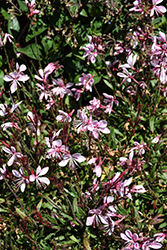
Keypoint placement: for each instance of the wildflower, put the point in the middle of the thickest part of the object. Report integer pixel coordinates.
(3, 109)
(45, 93)
(95, 104)
(107, 202)
(160, 236)
(20, 68)
(57, 149)
(43, 76)
(138, 189)
(124, 160)
(137, 6)
(15, 78)
(140, 147)
(82, 124)
(109, 101)
(119, 48)
(158, 9)
(131, 240)
(78, 93)
(3, 172)
(151, 244)
(127, 76)
(10, 125)
(86, 81)
(64, 117)
(15, 155)
(130, 62)
(97, 169)
(108, 225)
(98, 127)
(62, 89)
(31, 8)
(7, 37)
(90, 51)
(35, 123)
(96, 218)
(22, 179)
(37, 177)
(72, 160)
(52, 67)
(156, 139)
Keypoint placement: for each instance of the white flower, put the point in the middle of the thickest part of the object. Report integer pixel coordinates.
(40, 180)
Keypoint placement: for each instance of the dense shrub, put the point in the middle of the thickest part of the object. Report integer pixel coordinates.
(83, 124)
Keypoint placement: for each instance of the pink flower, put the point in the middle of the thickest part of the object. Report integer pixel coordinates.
(137, 6)
(43, 76)
(131, 60)
(86, 81)
(57, 149)
(83, 123)
(95, 104)
(78, 93)
(37, 177)
(62, 89)
(10, 125)
(98, 127)
(96, 218)
(3, 109)
(90, 51)
(109, 101)
(22, 179)
(34, 122)
(131, 240)
(158, 9)
(3, 172)
(7, 37)
(160, 236)
(31, 8)
(140, 147)
(156, 139)
(45, 93)
(64, 117)
(15, 78)
(52, 67)
(138, 189)
(108, 225)
(127, 76)
(97, 169)
(124, 160)
(72, 160)
(151, 244)
(15, 155)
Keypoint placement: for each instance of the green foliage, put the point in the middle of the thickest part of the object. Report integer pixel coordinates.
(54, 217)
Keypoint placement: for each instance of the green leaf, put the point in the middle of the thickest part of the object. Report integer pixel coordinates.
(39, 205)
(108, 84)
(5, 14)
(74, 239)
(96, 79)
(83, 13)
(163, 225)
(31, 51)
(38, 32)
(70, 193)
(2, 200)
(47, 44)
(13, 24)
(118, 132)
(3, 210)
(151, 123)
(22, 5)
(1, 77)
